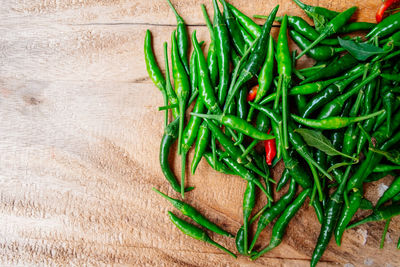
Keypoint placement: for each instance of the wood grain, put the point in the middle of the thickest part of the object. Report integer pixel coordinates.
(80, 132)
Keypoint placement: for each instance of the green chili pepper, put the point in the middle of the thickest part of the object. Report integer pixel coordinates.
(193, 76)
(195, 232)
(270, 214)
(202, 141)
(280, 226)
(301, 102)
(330, 28)
(387, 26)
(388, 100)
(285, 75)
(241, 111)
(391, 192)
(182, 86)
(222, 46)
(248, 39)
(194, 214)
(233, 28)
(239, 240)
(338, 66)
(332, 212)
(329, 14)
(383, 116)
(169, 137)
(255, 60)
(331, 123)
(182, 38)
(385, 230)
(262, 124)
(335, 106)
(330, 92)
(318, 52)
(393, 155)
(188, 137)
(385, 168)
(265, 77)
(347, 214)
(283, 180)
(168, 87)
(381, 214)
(154, 71)
(217, 165)
(249, 200)
(357, 26)
(245, 174)
(247, 23)
(237, 124)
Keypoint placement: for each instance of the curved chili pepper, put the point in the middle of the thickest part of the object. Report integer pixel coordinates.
(385, 168)
(265, 77)
(237, 124)
(262, 124)
(279, 228)
(212, 61)
(241, 111)
(154, 71)
(334, 107)
(382, 214)
(332, 212)
(391, 192)
(301, 102)
(193, 76)
(338, 66)
(347, 214)
(222, 46)
(388, 100)
(270, 214)
(318, 52)
(357, 26)
(331, 123)
(217, 165)
(255, 60)
(283, 180)
(169, 137)
(387, 26)
(382, 9)
(233, 27)
(195, 232)
(168, 87)
(330, 28)
(182, 38)
(202, 141)
(194, 214)
(392, 155)
(247, 23)
(249, 201)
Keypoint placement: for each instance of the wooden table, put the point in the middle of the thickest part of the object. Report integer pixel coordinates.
(80, 134)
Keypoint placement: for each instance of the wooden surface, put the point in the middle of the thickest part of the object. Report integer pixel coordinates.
(80, 134)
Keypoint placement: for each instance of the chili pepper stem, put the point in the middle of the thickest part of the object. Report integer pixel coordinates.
(212, 242)
(181, 124)
(166, 107)
(316, 181)
(249, 148)
(385, 230)
(312, 45)
(183, 172)
(285, 86)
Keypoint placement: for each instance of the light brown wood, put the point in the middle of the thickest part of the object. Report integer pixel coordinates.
(80, 135)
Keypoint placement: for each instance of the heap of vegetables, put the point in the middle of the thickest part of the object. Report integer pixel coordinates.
(334, 125)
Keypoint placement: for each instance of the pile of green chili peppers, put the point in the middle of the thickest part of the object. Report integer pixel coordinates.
(335, 125)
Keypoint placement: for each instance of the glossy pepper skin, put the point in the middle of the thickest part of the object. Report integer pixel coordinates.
(249, 201)
(255, 60)
(219, 166)
(172, 98)
(212, 61)
(279, 228)
(169, 137)
(382, 214)
(391, 192)
(338, 66)
(332, 212)
(222, 45)
(202, 141)
(195, 232)
(247, 23)
(318, 52)
(233, 27)
(382, 9)
(270, 214)
(270, 150)
(154, 71)
(387, 26)
(329, 14)
(182, 38)
(241, 111)
(194, 214)
(283, 180)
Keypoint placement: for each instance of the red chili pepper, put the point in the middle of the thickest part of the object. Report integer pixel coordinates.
(252, 93)
(381, 11)
(270, 150)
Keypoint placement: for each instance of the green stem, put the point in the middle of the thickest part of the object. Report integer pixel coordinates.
(385, 230)
(183, 170)
(166, 107)
(212, 242)
(249, 148)
(316, 181)
(181, 124)
(319, 39)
